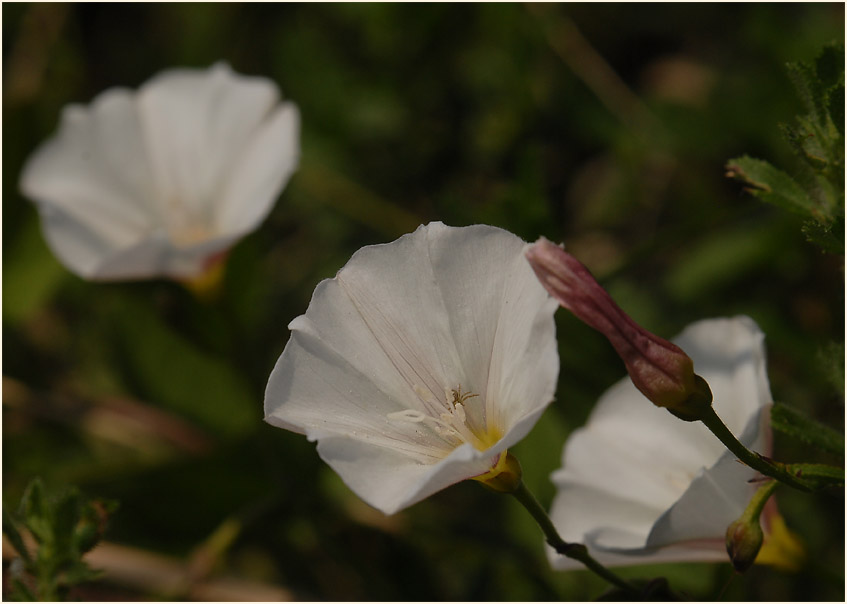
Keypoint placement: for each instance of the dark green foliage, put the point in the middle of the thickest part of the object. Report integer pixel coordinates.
(795, 424)
(411, 113)
(64, 526)
(817, 138)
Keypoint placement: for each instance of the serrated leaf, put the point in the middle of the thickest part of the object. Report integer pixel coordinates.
(90, 528)
(773, 185)
(805, 145)
(35, 512)
(79, 572)
(791, 422)
(808, 88)
(14, 537)
(829, 238)
(66, 517)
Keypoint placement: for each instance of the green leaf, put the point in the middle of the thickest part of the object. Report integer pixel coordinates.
(66, 516)
(89, 530)
(791, 422)
(831, 361)
(820, 470)
(80, 572)
(35, 512)
(14, 537)
(808, 88)
(31, 274)
(178, 375)
(773, 185)
(830, 238)
(21, 592)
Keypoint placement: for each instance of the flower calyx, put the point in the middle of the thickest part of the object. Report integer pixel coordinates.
(745, 536)
(505, 476)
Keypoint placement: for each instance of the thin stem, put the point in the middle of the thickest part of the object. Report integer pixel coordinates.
(756, 461)
(577, 551)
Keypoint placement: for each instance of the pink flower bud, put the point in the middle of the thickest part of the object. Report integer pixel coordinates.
(658, 368)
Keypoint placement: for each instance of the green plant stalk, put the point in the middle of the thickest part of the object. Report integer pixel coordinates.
(759, 499)
(774, 469)
(577, 551)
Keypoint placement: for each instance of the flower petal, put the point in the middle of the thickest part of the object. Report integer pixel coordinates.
(389, 480)
(639, 486)
(196, 125)
(158, 182)
(265, 164)
(92, 182)
(400, 324)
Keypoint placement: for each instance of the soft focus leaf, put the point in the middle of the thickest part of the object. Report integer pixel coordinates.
(178, 375)
(772, 185)
(809, 89)
(14, 537)
(831, 359)
(793, 423)
(66, 516)
(22, 592)
(820, 474)
(30, 273)
(36, 512)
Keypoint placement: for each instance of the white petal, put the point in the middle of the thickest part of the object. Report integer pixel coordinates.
(260, 172)
(153, 183)
(637, 479)
(92, 182)
(389, 480)
(156, 256)
(400, 324)
(196, 126)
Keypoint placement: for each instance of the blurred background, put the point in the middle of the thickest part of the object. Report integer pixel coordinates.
(606, 126)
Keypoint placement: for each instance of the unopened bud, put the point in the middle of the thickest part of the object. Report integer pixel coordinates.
(659, 369)
(743, 541)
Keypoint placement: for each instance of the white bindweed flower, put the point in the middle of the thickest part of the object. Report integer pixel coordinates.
(162, 181)
(640, 486)
(420, 363)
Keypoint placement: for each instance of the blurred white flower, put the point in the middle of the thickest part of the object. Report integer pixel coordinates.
(161, 181)
(639, 486)
(420, 363)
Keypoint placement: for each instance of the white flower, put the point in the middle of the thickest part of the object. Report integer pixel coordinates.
(420, 363)
(159, 181)
(640, 486)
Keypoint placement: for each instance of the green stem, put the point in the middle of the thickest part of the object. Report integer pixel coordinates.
(774, 469)
(577, 551)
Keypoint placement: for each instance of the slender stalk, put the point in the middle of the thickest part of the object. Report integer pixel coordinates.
(774, 469)
(577, 551)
